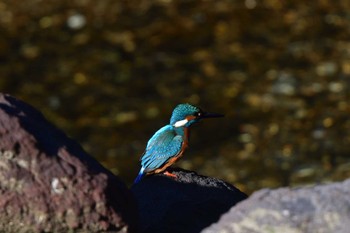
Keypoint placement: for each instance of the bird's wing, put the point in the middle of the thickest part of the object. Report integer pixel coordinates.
(164, 145)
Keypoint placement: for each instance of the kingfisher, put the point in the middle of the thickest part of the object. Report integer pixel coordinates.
(168, 144)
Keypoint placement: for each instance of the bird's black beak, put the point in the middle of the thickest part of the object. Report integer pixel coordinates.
(210, 115)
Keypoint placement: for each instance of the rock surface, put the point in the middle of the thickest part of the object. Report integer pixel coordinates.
(318, 209)
(49, 184)
(188, 203)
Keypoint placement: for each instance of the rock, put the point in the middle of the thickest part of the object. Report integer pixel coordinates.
(318, 209)
(188, 203)
(49, 184)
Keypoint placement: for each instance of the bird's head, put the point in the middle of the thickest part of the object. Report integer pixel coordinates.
(184, 115)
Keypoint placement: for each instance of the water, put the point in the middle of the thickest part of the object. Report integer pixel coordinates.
(109, 74)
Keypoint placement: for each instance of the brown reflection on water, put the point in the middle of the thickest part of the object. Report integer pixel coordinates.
(109, 73)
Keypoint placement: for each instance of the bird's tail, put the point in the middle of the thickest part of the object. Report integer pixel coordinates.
(140, 175)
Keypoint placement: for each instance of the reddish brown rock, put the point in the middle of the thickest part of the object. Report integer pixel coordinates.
(49, 184)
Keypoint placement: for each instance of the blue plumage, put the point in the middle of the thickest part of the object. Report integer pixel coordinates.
(168, 143)
(140, 175)
(182, 111)
(163, 145)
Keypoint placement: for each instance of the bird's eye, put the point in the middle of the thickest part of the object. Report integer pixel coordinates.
(197, 114)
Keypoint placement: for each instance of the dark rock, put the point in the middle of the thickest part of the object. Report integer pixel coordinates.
(188, 203)
(49, 184)
(321, 209)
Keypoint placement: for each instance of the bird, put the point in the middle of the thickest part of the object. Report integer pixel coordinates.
(168, 144)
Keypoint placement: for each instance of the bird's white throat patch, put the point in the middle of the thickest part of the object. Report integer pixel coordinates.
(180, 123)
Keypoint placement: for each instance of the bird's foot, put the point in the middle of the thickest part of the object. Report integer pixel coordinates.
(170, 174)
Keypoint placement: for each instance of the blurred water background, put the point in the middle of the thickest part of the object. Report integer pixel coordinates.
(110, 72)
